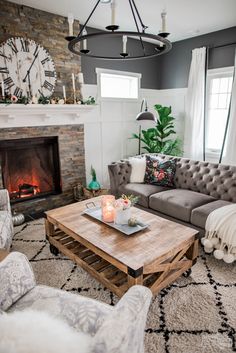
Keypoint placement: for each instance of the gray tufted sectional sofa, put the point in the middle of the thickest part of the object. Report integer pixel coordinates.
(200, 188)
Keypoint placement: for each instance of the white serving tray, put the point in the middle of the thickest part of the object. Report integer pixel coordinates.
(96, 213)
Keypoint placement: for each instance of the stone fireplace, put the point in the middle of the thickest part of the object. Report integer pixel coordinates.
(40, 165)
(30, 167)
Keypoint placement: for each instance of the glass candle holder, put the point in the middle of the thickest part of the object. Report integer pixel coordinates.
(108, 210)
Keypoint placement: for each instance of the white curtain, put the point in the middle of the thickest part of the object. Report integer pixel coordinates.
(229, 151)
(195, 100)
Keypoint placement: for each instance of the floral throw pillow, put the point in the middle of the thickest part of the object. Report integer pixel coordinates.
(159, 172)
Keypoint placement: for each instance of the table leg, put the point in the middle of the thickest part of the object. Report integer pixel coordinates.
(49, 228)
(135, 277)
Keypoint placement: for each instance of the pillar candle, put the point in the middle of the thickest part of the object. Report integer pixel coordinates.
(81, 77)
(64, 92)
(73, 81)
(108, 210)
(3, 90)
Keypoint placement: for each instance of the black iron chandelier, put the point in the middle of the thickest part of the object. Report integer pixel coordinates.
(80, 44)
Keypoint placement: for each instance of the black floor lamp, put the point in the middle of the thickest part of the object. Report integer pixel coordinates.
(144, 115)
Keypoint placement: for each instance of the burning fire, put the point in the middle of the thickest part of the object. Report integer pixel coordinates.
(26, 187)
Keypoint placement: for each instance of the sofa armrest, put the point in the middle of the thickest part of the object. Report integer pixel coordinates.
(123, 330)
(119, 174)
(4, 200)
(16, 279)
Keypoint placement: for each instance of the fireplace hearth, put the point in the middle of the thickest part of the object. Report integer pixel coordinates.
(30, 167)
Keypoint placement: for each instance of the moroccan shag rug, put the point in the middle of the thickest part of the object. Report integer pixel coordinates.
(194, 315)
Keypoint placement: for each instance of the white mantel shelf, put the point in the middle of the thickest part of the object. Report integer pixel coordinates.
(48, 114)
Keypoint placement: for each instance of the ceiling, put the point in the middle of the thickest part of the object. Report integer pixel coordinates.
(185, 18)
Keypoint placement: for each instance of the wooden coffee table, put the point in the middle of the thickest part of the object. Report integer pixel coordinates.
(154, 257)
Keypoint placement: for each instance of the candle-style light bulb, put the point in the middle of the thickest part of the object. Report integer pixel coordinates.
(84, 33)
(124, 39)
(113, 12)
(163, 17)
(71, 22)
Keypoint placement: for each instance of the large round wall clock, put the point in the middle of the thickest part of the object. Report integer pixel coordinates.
(26, 68)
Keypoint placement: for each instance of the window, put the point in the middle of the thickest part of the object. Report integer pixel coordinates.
(118, 84)
(219, 86)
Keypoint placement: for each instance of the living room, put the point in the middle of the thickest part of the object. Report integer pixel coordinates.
(117, 176)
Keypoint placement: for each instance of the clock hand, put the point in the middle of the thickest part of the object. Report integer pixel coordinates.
(28, 71)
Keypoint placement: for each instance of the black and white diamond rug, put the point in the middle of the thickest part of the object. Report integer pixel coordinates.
(194, 315)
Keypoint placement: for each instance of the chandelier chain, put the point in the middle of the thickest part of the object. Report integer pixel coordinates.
(136, 23)
(85, 24)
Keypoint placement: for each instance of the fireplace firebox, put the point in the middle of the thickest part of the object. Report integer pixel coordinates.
(30, 167)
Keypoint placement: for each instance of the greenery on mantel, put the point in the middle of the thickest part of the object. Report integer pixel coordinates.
(11, 99)
(157, 139)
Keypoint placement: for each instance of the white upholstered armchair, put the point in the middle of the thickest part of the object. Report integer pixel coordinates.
(116, 329)
(6, 226)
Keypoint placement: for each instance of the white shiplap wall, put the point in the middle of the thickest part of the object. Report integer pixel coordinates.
(109, 128)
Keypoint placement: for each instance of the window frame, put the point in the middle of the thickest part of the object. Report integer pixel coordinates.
(100, 71)
(211, 74)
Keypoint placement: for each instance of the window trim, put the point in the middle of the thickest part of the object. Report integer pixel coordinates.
(100, 71)
(214, 73)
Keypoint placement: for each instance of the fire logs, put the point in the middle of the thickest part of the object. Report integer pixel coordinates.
(27, 190)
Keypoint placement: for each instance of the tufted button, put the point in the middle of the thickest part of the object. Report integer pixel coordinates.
(119, 173)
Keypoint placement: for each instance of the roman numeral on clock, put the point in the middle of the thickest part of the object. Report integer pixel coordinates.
(4, 70)
(45, 60)
(8, 82)
(36, 52)
(24, 45)
(48, 85)
(49, 73)
(18, 92)
(3, 55)
(12, 46)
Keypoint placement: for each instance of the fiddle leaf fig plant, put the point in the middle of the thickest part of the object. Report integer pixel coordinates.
(157, 139)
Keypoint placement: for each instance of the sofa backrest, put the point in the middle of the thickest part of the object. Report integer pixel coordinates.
(216, 180)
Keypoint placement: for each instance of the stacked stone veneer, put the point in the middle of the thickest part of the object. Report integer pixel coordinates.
(49, 31)
(72, 163)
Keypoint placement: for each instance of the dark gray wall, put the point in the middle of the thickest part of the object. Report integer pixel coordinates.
(169, 70)
(174, 66)
(147, 67)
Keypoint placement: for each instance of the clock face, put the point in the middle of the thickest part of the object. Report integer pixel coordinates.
(26, 68)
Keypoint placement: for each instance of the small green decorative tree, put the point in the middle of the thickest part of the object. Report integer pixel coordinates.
(157, 139)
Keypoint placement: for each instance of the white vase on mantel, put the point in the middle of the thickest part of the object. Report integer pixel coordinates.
(123, 216)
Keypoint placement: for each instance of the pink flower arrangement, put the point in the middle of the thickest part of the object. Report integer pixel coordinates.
(125, 202)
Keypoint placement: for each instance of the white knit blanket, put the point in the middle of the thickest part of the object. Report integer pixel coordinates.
(221, 233)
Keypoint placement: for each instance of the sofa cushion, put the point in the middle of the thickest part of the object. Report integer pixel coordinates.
(83, 314)
(178, 203)
(159, 172)
(199, 215)
(141, 190)
(138, 169)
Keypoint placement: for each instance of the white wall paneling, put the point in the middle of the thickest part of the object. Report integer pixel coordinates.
(108, 126)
